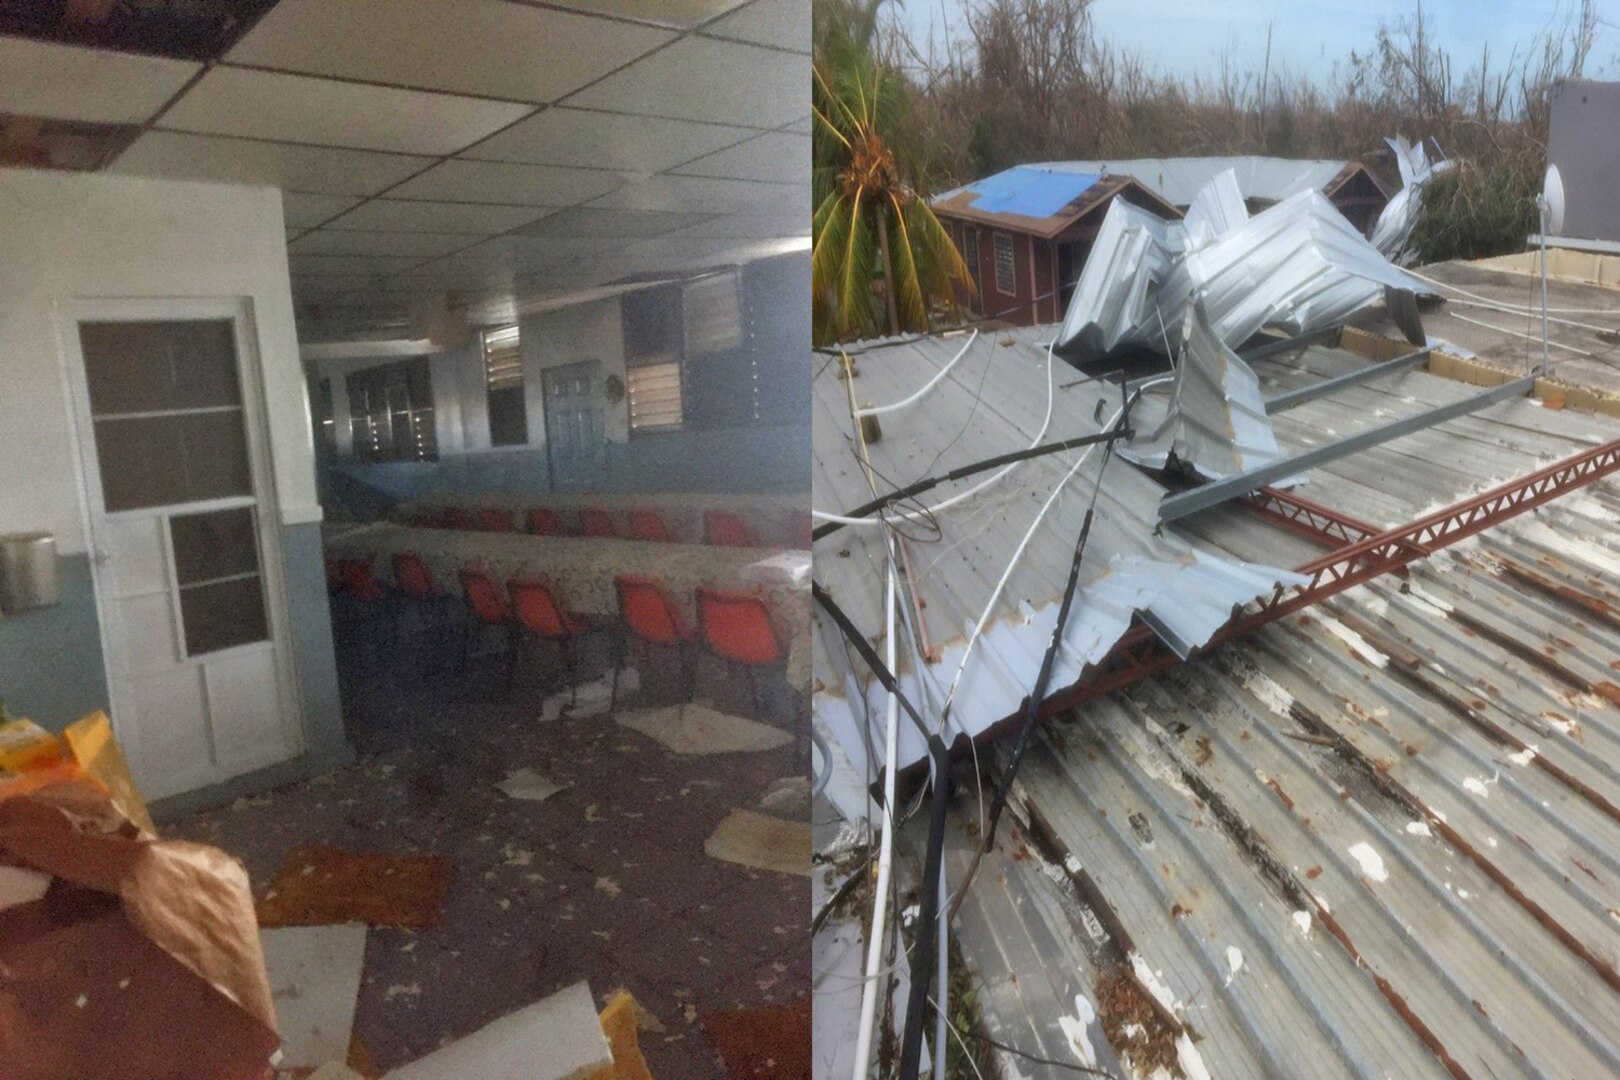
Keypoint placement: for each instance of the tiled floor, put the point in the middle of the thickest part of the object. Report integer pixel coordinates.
(605, 881)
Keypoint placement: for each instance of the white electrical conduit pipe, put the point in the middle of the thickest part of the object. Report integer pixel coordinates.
(1476, 296)
(995, 596)
(955, 500)
(879, 410)
(1509, 309)
(870, 989)
(1528, 337)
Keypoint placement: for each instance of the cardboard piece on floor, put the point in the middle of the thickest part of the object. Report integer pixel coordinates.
(767, 1042)
(529, 786)
(757, 840)
(320, 885)
(590, 698)
(693, 728)
(315, 981)
(20, 885)
(621, 1019)
(557, 1038)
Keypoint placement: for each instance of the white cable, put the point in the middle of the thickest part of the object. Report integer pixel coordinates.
(995, 596)
(1517, 334)
(1509, 309)
(918, 515)
(943, 947)
(878, 410)
(880, 904)
(1477, 296)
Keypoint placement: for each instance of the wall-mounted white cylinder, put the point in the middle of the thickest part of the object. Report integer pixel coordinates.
(27, 572)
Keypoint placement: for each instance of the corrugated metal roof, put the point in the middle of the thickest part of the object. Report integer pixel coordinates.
(1178, 180)
(1379, 837)
(993, 402)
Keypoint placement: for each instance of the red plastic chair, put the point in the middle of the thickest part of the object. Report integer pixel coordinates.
(544, 522)
(414, 582)
(726, 529)
(360, 580)
(648, 525)
(538, 612)
(597, 522)
(486, 607)
(647, 614)
(494, 519)
(456, 518)
(737, 628)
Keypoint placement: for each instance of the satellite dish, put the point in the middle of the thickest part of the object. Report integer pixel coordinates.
(1552, 193)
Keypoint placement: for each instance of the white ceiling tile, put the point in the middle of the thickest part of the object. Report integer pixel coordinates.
(588, 221)
(783, 23)
(773, 156)
(347, 242)
(306, 209)
(247, 161)
(409, 215)
(700, 78)
(300, 108)
(756, 225)
(702, 193)
(528, 254)
(62, 82)
(488, 47)
(564, 136)
(683, 14)
(499, 182)
(351, 264)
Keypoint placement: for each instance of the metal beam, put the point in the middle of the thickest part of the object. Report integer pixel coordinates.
(1311, 520)
(1339, 382)
(1139, 653)
(1293, 344)
(1179, 505)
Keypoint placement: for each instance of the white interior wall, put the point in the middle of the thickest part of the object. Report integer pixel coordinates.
(68, 235)
(589, 331)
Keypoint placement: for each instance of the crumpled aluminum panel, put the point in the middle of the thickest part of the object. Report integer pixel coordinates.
(1298, 265)
(1392, 232)
(1216, 424)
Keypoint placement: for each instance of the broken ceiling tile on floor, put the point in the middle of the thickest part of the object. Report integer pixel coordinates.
(557, 1038)
(749, 838)
(320, 885)
(529, 786)
(589, 699)
(693, 728)
(315, 983)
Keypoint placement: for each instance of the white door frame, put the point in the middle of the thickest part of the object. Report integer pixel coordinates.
(69, 313)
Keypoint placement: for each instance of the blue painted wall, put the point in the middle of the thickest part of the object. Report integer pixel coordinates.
(51, 669)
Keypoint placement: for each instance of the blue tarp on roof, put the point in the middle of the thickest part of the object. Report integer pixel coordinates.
(1029, 191)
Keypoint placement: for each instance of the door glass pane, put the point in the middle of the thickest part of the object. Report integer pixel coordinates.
(223, 614)
(162, 460)
(150, 366)
(217, 544)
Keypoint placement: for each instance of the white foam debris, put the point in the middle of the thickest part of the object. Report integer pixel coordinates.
(1357, 643)
(1071, 864)
(1372, 863)
(1302, 921)
(1463, 893)
(1134, 1031)
(1269, 693)
(1564, 726)
(1234, 963)
(1321, 902)
(1075, 1030)
(1427, 603)
(1376, 604)
(1523, 757)
(1418, 828)
(1476, 785)
(1192, 1064)
(1137, 747)
(1491, 840)
(1152, 983)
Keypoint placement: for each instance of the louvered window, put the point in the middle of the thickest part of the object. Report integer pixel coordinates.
(654, 390)
(712, 308)
(1006, 274)
(503, 380)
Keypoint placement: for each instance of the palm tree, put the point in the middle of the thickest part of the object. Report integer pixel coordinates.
(867, 216)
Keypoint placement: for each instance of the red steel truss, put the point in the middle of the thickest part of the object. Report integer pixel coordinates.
(1366, 554)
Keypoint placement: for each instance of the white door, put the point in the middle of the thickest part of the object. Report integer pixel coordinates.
(181, 520)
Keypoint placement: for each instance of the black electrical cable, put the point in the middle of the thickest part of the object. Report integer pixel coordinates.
(962, 472)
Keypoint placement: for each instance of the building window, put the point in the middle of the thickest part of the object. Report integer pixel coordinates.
(1006, 274)
(391, 412)
(503, 381)
(970, 251)
(654, 393)
(711, 307)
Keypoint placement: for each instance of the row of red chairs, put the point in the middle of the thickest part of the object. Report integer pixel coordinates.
(735, 627)
(720, 527)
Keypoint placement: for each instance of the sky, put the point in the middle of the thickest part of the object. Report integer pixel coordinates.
(1184, 37)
